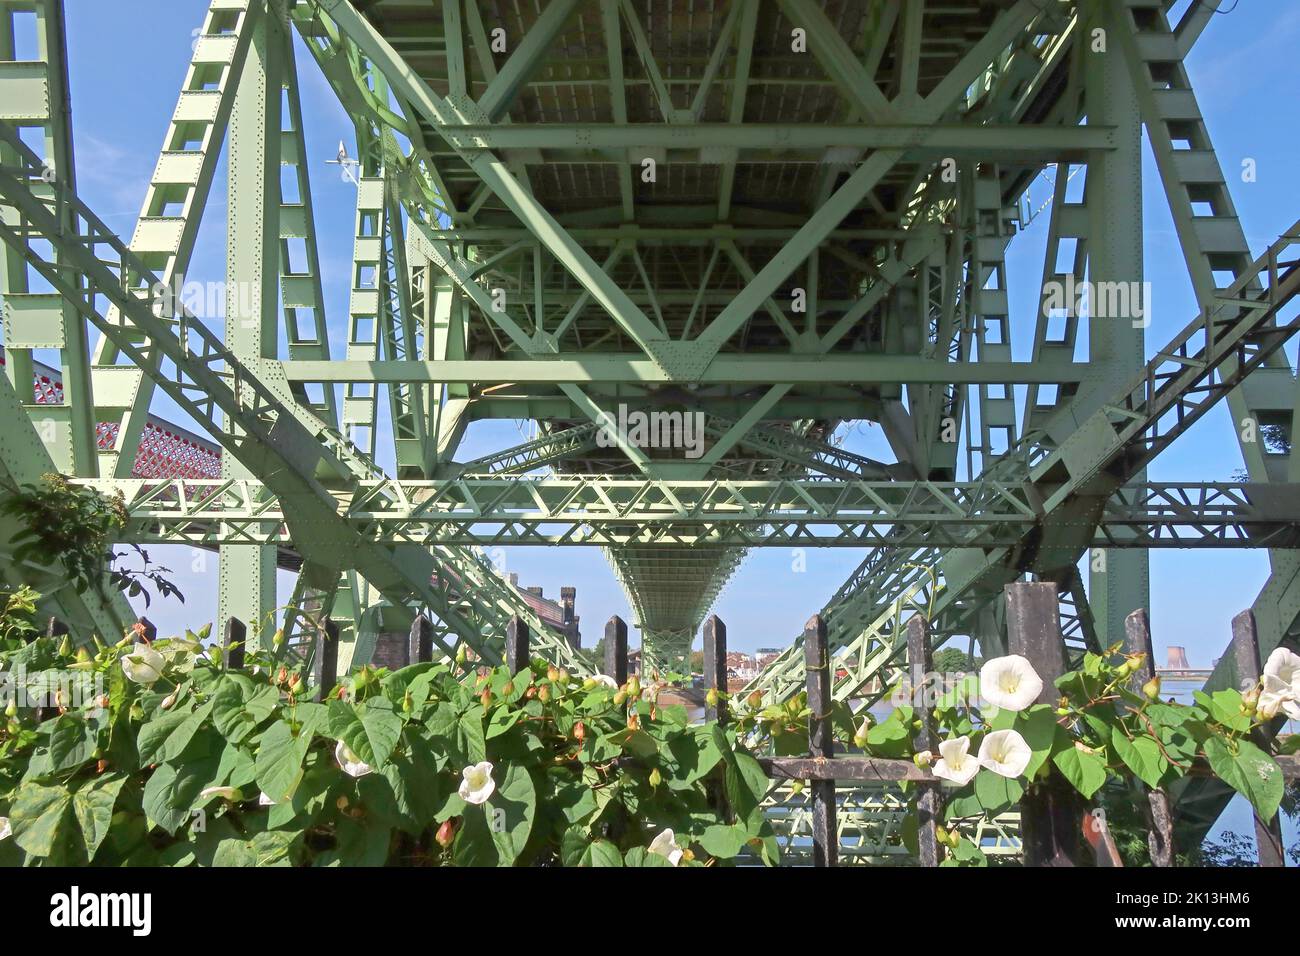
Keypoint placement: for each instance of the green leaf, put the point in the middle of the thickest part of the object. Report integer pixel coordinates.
(166, 736)
(239, 705)
(996, 793)
(370, 730)
(746, 784)
(72, 743)
(1251, 772)
(44, 824)
(601, 853)
(724, 841)
(1086, 770)
(1141, 755)
(278, 768)
(470, 738)
(640, 856)
(510, 813)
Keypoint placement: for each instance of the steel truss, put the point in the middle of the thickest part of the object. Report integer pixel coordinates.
(622, 210)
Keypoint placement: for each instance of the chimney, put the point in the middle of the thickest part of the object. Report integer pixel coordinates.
(567, 598)
(1177, 660)
(514, 579)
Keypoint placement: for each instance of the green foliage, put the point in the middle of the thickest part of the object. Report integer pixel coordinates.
(950, 660)
(208, 767)
(76, 526)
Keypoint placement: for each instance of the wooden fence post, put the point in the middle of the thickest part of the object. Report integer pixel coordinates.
(326, 662)
(715, 667)
(1051, 811)
(233, 643)
(817, 667)
(929, 798)
(616, 650)
(1245, 653)
(1160, 838)
(420, 648)
(517, 654)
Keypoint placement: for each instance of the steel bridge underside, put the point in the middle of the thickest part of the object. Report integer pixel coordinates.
(780, 216)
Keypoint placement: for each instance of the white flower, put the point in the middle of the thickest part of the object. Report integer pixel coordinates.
(5, 829)
(606, 680)
(233, 794)
(1005, 752)
(955, 762)
(1277, 695)
(264, 801)
(923, 759)
(477, 784)
(143, 665)
(665, 845)
(1010, 682)
(1285, 666)
(1281, 684)
(352, 765)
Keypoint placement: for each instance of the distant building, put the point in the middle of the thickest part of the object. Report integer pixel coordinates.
(392, 649)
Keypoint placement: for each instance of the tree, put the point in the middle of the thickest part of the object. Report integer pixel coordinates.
(950, 660)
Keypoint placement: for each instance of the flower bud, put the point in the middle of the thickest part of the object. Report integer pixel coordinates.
(460, 654)
(552, 673)
(711, 698)
(588, 683)
(923, 759)
(530, 693)
(633, 721)
(509, 689)
(83, 656)
(486, 698)
(277, 639)
(754, 700)
(11, 709)
(65, 646)
(447, 832)
(282, 676)
(1151, 689)
(620, 697)
(579, 731)
(170, 700)
(544, 693)
(655, 777)
(295, 683)
(564, 676)
(796, 787)
(408, 703)
(634, 687)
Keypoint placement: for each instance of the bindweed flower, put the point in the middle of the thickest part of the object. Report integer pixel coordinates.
(1010, 682)
(264, 801)
(604, 680)
(233, 794)
(477, 784)
(923, 759)
(1005, 753)
(143, 665)
(351, 764)
(665, 845)
(955, 762)
(1281, 684)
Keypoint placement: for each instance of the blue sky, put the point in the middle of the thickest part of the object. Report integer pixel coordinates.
(128, 59)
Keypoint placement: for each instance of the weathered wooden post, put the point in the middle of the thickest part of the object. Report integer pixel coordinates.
(817, 667)
(1051, 811)
(233, 643)
(1245, 654)
(326, 662)
(517, 654)
(715, 667)
(420, 647)
(1160, 838)
(929, 798)
(616, 649)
